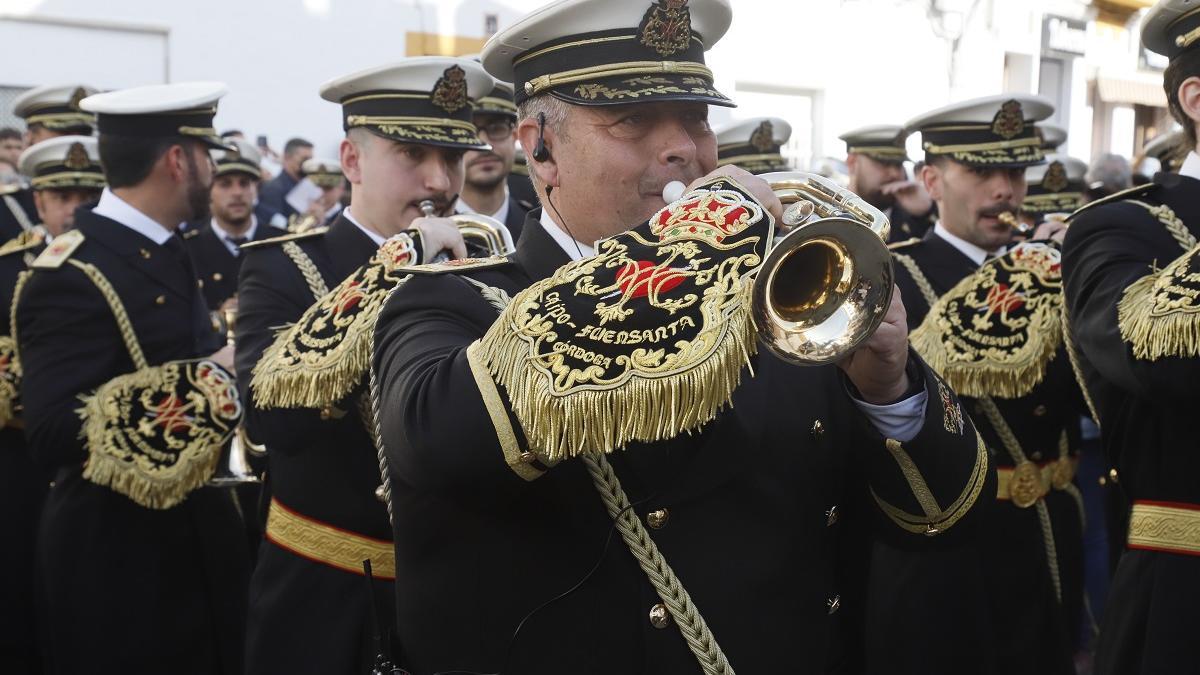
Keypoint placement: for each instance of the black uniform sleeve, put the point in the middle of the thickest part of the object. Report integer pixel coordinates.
(937, 481)
(1107, 249)
(437, 428)
(271, 294)
(61, 318)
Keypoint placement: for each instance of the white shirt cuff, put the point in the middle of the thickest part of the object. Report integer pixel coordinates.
(901, 421)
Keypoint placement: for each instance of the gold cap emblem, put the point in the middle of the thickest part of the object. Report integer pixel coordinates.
(450, 92)
(77, 157)
(1010, 121)
(1055, 179)
(667, 27)
(763, 138)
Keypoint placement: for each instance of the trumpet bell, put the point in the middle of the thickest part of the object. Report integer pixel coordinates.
(484, 235)
(824, 287)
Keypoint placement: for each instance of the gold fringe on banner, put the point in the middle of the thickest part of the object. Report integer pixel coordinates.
(995, 332)
(322, 357)
(156, 434)
(586, 374)
(1159, 314)
(10, 379)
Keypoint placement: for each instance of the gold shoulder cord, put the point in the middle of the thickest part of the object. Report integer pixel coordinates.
(1005, 432)
(118, 309)
(312, 276)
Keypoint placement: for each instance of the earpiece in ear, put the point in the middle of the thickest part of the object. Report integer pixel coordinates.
(540, 152)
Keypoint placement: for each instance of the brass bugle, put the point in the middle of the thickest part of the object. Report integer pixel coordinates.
(1010, 219)
(483, 235)
(824, 287)
(234, 468)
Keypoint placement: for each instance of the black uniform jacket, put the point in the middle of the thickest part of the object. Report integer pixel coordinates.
(1147, 415)
(305, 616)
(123, 588)
(1010, 620)
(22, 488)
(216, 267)
(747, 508)
(906, 226)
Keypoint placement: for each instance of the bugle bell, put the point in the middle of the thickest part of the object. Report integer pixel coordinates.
(826, 285)
(234, 468)
(483, 235)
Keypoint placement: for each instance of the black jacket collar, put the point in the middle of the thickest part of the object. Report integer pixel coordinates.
(137, 250)
(349, 247)
(537, 253)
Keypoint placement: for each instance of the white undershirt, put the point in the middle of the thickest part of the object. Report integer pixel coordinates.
(375, 236)
(976, 254)
(574, 249)
(1191, 166)
(113, 207)
(224, 236)
(500, 215)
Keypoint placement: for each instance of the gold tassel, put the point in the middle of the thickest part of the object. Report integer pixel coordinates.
(10, 379)
(1155, 326)
(594, 422)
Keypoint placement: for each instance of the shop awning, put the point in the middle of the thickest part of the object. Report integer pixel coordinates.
(1132, 88)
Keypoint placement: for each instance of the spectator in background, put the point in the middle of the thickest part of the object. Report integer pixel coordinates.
(8, 173)
(12, 143)
(274, 193)
(1108, 174)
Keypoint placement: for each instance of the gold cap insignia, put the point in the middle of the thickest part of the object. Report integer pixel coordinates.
(1010, 121)
(77, 157)
(763, 138)
(1055, 179)
(233, 154)
(76, 96)
(667, 27)
(450, 92)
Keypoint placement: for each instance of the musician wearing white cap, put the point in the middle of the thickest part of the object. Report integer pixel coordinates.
(127, 403)
(1129, 277)
(604, 371)
(408, 125)
(485, 189)
(66, 173)
(48, 112)
(984, 315)
(215, 244)
(754, 144)
(875, 157)
(327, 175)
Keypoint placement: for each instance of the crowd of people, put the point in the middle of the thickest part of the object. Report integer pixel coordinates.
(542, 374)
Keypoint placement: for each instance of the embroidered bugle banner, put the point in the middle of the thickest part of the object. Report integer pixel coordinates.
(644, 340)
(1159, 314)
(322, 357)
(995, 332)
(155, 434)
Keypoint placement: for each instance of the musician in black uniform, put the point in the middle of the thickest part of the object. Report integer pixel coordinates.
(1054, 190)
(754, 144)
(64, 173)
(215, 245)
(327, 175)
(485, 188)
(1130, 295)
(495, 454)
(48, 112)
(875, 158)
(310, 611)
(1022, 612)
(139, 564)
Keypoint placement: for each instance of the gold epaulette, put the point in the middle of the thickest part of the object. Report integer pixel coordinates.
(191, 233)
(59, 250)
(903, 244)
(283, 238)
(22, 242)
(460, 265)
(1114, 197)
